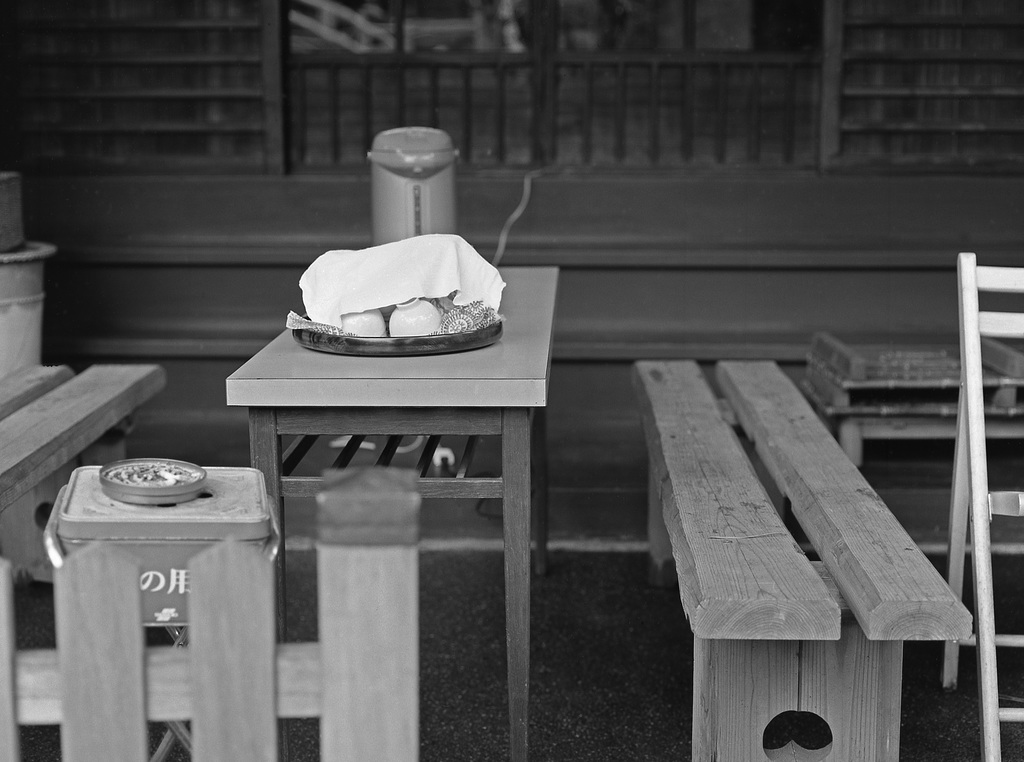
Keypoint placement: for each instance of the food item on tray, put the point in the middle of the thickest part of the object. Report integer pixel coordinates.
(416, 317)
(367, 323)
(464, 318)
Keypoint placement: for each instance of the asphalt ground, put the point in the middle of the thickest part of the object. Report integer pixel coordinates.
(611, 671)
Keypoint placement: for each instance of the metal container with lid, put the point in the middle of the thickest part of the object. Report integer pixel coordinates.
(233, 503)
(412, 183)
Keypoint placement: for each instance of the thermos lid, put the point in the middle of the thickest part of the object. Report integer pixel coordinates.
(232, 503)
(413, 149)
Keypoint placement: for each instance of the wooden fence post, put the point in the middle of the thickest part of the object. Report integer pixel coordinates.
(9, 734)
(100, 646)
(232, 644)
(368, 580)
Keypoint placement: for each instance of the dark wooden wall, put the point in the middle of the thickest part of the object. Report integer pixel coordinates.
(198, 273)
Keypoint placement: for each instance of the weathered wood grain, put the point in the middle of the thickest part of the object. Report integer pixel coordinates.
(367, 588)
(232, 640)
(100, 644)
(741, 574)
(48, 432)
(892, 588)
(9, 734)
(21, 387)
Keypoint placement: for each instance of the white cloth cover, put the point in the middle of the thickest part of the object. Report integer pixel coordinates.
(431, 266)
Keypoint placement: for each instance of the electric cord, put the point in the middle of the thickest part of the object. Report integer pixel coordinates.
(524, 201)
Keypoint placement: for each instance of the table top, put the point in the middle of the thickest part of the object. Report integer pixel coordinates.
(513, 372)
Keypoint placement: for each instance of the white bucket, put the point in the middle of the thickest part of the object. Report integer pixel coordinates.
(21, 306)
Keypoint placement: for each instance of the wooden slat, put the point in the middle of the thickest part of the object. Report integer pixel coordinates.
(232, 638)
(429, 487)
(427, 456)
(53, 429)
(296, 452)
(165, 127)
(21, 387)
(387, 452)
(933, 91)
(136, 25)
(994, 55)
(9, 734)
(1002, 359)
(892, 588)
(958, 20)
(1005, 325)
(1005, 280)
(272, 80)
(830, 140)
(154, 94)
(169, 684)
(389, 421)
(348, 451)
(839, 356)
(943, 126)
(143, 59)
(100, 642)
(367, 588)
(741, 573)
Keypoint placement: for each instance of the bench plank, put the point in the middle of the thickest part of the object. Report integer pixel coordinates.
(741, 574)
(54, 428)
(892, 588)
(21, 387)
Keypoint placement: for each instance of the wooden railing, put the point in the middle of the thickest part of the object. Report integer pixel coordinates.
(156, 86)
(924, 83)
(921, 83)
(613, 109)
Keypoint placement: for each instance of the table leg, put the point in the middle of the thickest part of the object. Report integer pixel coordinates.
(539, 462)
(515, 465)
(265, 454)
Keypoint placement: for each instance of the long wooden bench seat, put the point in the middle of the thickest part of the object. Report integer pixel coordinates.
(52, 420)
(774, 632)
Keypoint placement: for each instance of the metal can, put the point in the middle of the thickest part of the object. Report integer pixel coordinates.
(233, 503)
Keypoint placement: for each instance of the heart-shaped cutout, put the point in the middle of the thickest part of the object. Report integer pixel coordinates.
(797, 737)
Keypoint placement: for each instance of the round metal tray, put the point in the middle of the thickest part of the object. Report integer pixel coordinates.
(398, 347)
(152, 481)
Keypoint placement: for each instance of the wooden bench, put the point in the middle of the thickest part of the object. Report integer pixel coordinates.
(52, 420)
(360, 678)
(773, 632)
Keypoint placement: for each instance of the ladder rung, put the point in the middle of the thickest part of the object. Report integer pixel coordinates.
(1006, 503)
(1011, 714)
(1009, 325)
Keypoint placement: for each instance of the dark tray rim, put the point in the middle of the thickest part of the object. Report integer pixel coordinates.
(405, 346)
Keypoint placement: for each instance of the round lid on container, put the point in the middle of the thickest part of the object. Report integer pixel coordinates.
(152, 481)
(412, 149)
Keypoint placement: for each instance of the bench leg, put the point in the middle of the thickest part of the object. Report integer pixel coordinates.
(851, 439)
(23, 521)
(853, 685)
(661, 569)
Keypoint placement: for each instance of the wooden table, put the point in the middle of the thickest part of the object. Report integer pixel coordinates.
(297, 392)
